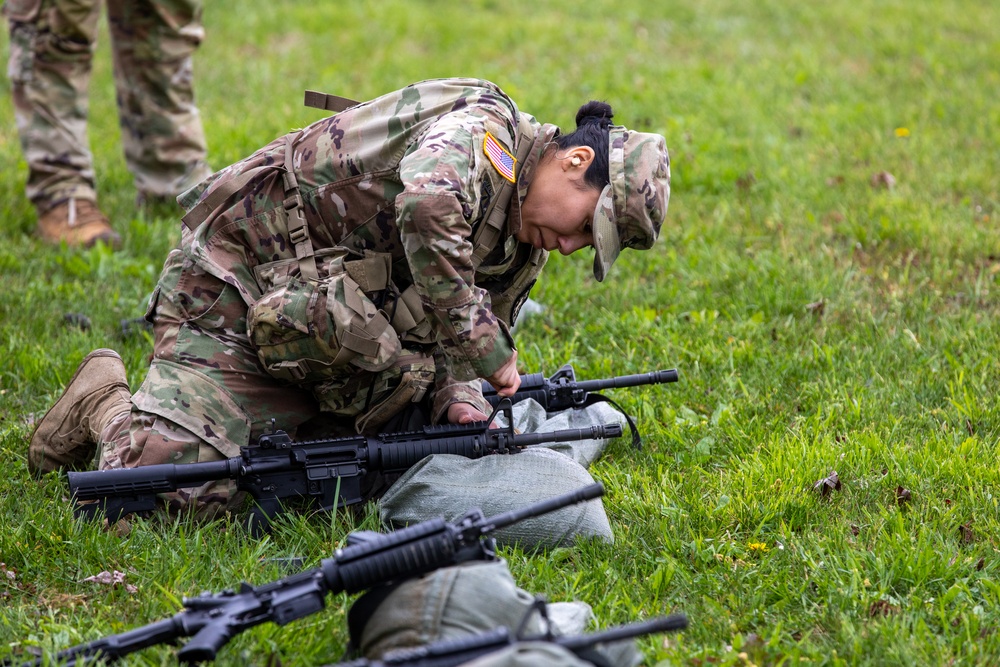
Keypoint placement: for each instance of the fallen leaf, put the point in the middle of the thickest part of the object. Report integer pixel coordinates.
(980, 564)
(902, 495)
(828, 484)
(883, 179)
(882, 608)
(745, 181)
(113, 579)
(107, 578)
(121, 528)
(968, 537)
(816, 307)
(855, 530)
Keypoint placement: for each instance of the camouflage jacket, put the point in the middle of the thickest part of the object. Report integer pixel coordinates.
(408, 174)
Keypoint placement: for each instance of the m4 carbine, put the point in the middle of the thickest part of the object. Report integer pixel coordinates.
(327, 472)
(368, 560)
(562, 391)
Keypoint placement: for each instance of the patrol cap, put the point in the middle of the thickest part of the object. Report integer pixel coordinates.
(631, 208)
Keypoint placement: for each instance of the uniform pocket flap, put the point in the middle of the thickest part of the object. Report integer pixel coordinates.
(196, 402)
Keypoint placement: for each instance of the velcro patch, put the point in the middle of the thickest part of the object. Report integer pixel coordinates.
(501, 160)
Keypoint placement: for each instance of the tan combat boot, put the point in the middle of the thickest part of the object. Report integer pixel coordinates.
(68, 435)
(78, 222)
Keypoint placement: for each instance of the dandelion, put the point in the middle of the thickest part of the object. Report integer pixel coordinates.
(902, 132)
(757, 547)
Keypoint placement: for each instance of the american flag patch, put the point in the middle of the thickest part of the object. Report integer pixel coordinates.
(501, 160)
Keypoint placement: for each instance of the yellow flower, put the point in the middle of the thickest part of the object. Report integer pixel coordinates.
(757, 546)
(902, 132)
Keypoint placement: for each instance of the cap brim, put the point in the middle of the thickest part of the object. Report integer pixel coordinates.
(606, 243)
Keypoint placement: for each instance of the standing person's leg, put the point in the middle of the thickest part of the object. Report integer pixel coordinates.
(153, 43)
(51, 51)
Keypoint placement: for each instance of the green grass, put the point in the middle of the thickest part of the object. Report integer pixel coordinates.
(819, 323)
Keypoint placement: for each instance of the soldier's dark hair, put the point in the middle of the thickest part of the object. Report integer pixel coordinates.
(592, 122)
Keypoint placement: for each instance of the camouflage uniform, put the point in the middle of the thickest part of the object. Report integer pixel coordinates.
(52, 44)
(359, 278)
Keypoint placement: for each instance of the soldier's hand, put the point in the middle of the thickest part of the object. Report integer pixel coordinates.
(506, 380)
(464, 413)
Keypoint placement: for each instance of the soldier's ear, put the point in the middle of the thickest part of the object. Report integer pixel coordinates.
(577, 157)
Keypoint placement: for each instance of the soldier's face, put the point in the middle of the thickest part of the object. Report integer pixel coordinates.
(559, 207)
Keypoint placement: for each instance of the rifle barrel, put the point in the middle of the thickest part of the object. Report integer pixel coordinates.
(595, 432)
(670, 623)
(653, 377)
(590, 492)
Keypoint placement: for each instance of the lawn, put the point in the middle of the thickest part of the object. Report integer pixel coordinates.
(826, 284)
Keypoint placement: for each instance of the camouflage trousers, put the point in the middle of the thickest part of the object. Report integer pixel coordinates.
(206, 393)
(52, 44)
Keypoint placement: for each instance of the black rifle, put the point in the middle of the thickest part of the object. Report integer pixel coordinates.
(452, 653)
(326, 472)
(562, 391)
(369, 559)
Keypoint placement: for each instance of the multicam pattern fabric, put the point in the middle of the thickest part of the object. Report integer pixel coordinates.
(404, 175)
(51, 51)
(631, 208)
(308, 331)
(141, 438)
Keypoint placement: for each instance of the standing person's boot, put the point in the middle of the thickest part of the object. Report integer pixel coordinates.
(68, 435)
(78, 222)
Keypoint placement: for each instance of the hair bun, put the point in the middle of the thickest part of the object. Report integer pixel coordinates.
(595, 112)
